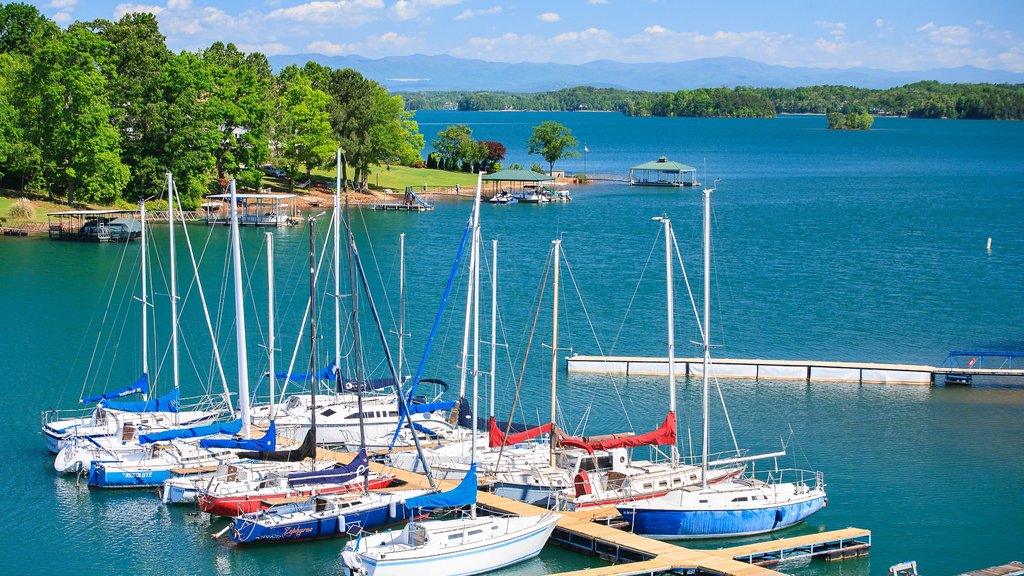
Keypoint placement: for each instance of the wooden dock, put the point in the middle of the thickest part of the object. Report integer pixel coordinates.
(634, 554)
(1011, 569)
(756, 369)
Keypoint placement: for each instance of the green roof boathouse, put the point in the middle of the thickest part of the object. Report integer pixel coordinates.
(663, 172)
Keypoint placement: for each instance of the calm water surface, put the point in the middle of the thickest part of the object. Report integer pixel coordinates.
(827, 245)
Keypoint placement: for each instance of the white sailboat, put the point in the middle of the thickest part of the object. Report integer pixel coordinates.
(733, 507)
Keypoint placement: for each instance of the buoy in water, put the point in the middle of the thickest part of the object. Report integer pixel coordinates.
(988, 245)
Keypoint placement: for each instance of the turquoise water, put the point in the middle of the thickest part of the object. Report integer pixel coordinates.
(827, 245)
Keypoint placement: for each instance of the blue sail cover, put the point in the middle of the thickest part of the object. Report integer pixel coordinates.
(461, 495)
(324, 374)
(421, 408)
(337, 475)
(233, 427)
(141, 386)
(166, 403)
(266, 444)
(368, 385)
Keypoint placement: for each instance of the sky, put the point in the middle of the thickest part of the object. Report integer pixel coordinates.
(896, 35)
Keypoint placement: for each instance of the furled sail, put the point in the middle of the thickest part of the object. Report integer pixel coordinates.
(368, 385)
(499, 438)
(327, 372)
(267, 443)
(232, 427)
(166, 403)
(662, 435)
(306, 450)
(141, 386)
(461, 495)
(336, 475)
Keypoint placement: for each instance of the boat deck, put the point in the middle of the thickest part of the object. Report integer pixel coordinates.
(582, 531)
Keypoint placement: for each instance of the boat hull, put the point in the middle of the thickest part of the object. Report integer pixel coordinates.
(247, 532)
(254, 502)
(669, 524)
(535, 495)
(104, 476)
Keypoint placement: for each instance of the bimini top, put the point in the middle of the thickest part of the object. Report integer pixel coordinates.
(663, 164)
(517, 176)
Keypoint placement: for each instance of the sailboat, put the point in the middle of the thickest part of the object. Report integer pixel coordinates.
(112, 417)
(468, 545)
(734, 507)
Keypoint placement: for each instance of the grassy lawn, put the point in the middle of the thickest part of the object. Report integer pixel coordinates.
(40, 206)
(398, 177)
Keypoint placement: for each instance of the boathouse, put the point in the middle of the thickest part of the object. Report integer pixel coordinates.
(255, 209)
(522, 185)
(94, 225)
(663, 172)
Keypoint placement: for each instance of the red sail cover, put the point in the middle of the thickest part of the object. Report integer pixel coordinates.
(664, 434)
(498, 438)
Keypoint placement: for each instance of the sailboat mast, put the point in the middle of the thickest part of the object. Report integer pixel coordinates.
(494, 320)
(312, 330)
(145, 302)
(174, 287)
(356, 353)
(401, 303)
(243, 356)
(707, 334)
(336, 223)
(670, 310)
(475, 266)
(554, 349)
(270, 320)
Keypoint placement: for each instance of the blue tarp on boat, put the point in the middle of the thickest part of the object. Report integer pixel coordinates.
(324, 374)
(336, 475)
(141, 386)
(461, 495)
(233, 427)
(421, 408)
(265, 444)
(166, 403)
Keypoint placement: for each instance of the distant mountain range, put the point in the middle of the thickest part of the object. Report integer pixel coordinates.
(442, 72)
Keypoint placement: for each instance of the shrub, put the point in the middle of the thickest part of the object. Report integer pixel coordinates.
(538, 169)
(22, 209)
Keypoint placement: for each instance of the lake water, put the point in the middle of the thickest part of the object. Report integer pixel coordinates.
(860, 246)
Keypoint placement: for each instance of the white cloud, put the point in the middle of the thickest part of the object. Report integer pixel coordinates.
(121, 9)
(327, 48)
(549, 17)
(469, 13)
(409, 9)
(947, 35)
(179, 4)
(656, 29)
(386, 44)
(589, 35)
(268, 49)
(879, 23)
(62, 3)
(836, 29)
(342, 12)
(597, 1)
(827, 46)
(62, 17)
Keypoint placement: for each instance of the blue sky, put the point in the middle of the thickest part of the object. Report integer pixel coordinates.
(893, 34)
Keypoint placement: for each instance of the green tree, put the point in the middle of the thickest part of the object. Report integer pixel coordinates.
(302, 132)
(454, 144)
(395, 137)
(70, 118)
(23, 29)
(553, 142)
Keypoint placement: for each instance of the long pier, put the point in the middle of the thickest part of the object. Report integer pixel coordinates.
(634, 554)
(757, 369)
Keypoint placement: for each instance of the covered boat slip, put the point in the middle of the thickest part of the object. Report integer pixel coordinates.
(255, 209)
(94, 225)
(519, 184)
(663, 172)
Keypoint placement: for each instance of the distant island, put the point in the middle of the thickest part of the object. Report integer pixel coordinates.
(851, 121)
(926, 99)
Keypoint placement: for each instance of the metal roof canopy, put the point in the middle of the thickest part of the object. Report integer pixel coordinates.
(254, 196)
(663, 164)
(517, 176)
(91, 212)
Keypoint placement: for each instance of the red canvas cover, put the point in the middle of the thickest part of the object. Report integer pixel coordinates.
(498, 437)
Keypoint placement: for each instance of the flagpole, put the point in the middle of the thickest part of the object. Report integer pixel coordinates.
(585, 150)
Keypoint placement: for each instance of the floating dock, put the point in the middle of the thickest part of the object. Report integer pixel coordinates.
(755, 369)
(633, 554)
(1011, 569)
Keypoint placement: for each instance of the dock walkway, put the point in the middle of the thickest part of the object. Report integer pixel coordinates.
(641, 555)
(810, 370)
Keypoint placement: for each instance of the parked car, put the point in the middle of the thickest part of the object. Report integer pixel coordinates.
(275, 172)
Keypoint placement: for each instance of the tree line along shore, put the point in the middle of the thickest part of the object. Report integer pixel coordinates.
(98, 112)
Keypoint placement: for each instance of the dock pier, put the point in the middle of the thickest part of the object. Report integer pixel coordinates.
(632, 554)
(757, 369)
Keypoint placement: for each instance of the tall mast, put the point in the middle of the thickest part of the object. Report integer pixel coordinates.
(312, 331)
(174, 288)
(401, 302)
(475, 267)
(494, 319)
(270, 318)
(336, 223)
(669, 307)
(243, 356)
(145, 302)
(554, 348)
(707, 331)
(356, 344)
